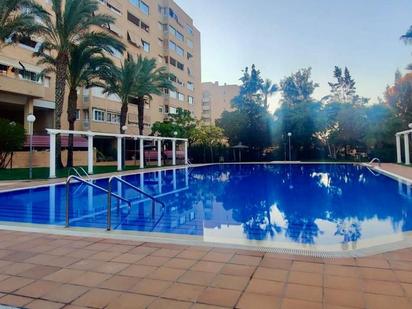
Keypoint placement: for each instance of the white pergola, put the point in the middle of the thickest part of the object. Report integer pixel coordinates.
(405, 135)
(90, 135)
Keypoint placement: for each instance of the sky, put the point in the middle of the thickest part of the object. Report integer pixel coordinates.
(282, 36)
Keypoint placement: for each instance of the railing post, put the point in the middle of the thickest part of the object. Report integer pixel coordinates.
(407, 155)
(141, 152)
(109, 206)
(90, 158)
(159, 152)
(174, 152)
(398, 149)
(186, 153)
(52, 155)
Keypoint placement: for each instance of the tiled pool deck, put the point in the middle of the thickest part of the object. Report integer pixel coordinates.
(45, 271)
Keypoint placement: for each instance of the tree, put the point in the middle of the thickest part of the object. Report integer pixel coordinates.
(298, 87)
(18, 19)
(208, 136)
(182, 123)
(151, 80)
(11, 139)
(268, 89)
(71, 22)
(86, 65)
(399, 98)
(250, 90)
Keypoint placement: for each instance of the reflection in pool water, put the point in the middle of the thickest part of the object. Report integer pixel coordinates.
(306, 204)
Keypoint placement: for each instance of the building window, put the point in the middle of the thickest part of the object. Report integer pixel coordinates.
(86, 115)
(146, 46)
(172, 110)
(161, 109)
(173, 61)
(98, 115)
(181, 97)
(180, 51)
(77, 114)
(189, 55)
(189, 29)
(116, 53)
(180, 66)
(47, 82)
(144, 27)
(189, 43)
(113, 117)
(173, 94)
(141, 5)
(133, 19)
(28, 43)
(190, 99)
(190, 86)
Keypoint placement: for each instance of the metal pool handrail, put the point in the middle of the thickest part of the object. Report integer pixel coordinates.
(109, 203)
(78, 174)
(375, 160)
(68, 181)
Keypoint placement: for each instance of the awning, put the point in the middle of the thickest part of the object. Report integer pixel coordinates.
(43, 141)
(132, 37)
(116, 29)
(115, 4)
(15, 63)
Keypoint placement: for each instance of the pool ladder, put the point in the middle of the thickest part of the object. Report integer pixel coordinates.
(75, 169)
(110, 194)
(375, 160)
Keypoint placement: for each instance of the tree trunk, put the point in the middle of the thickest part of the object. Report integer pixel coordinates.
(123, 115)
(71, 118)
(266, 105)
(140, 109)
(61, 70)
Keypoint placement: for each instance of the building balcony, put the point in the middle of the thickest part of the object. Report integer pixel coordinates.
(21, 86)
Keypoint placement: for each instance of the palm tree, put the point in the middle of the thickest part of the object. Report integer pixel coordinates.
(69, 24)
(18, 19)
(151, 80)
(268, 90)
(86, 65)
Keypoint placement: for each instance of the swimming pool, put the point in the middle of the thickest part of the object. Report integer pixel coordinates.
(283, 204)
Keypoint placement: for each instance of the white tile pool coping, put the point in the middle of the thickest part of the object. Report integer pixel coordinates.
(359, 248)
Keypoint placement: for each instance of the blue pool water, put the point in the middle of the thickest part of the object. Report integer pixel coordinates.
(305, 204)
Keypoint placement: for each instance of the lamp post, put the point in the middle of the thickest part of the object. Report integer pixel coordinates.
(124, 129)
(290, 151)
(31, 119)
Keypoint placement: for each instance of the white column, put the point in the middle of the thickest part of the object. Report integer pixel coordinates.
(186, 155)
(52, 156)
(119, 153)
(90, 154)
(173, 152)
(398, 149)
(141, 153)
(159, 152)
(407, 155)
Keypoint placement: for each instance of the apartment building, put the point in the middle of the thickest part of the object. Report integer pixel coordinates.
(153, 28)
(215, 100)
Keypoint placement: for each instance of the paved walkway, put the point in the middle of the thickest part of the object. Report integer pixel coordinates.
(401, 170)
(40, 271)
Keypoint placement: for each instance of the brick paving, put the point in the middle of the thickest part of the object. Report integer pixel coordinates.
(41, 271)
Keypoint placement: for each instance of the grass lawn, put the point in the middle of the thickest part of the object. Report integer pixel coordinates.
(43, 172)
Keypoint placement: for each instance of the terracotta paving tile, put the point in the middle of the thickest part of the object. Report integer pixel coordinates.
(344, 298)
(96, 298)
(39, 271)
(104, 255)
(169, 304)
(372, 262)
(165, 273)
(16, 268)
(306, 278)
(288, 303)
(304, 292)
(14, 300)
(142, 250)
(166, 252)
(86, 264)
(37, 289)
(307, 267)
(258, 286)
(252, 301)
(65, 293)
(121, 248)
(341, 261)
(90, 279)
(230, 282)
(192, 254)
(18, 256)
(384, 302)
(139, 271)
(40, 259)
(342, 271)
(383, 287)
(276, 263)
(344, 283)
(99, 246)
(180, 263)
(153, 260)
(407, 288)
(119, 283)
(377, 274)
(13, 283)
(150, 287)
(245, 260)
(43, 304)
(63, 251)
(110, 267)
(74, 307)
(271, 274)
(401, 265)
(130, 301)
(197, 277)
(217, 257)
(204, 306)
(219, 297)
(237, 270)
(250, 252)
(210, 267)
(64, 275)
(404, 276)
(184, 292)
(128, 258)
